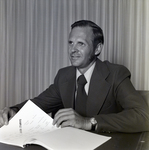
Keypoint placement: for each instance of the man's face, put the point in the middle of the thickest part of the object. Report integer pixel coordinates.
(81, 51)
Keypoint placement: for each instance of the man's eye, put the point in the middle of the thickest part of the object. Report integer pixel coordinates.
(81, 44)
(70, 42)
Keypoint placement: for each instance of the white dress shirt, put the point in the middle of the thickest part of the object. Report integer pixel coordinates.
(87, 75)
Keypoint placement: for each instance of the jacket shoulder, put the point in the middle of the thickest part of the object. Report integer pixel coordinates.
(66, 70)
(117, 73)
(65, 74)
(121, 70)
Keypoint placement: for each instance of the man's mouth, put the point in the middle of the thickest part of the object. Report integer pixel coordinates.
(75, 56)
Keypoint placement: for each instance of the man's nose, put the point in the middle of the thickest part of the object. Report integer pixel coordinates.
(74, 48)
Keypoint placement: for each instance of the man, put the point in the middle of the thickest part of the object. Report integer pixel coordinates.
(110, 102)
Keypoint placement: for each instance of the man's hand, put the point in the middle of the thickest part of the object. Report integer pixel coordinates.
(5, 115)
(68, 117)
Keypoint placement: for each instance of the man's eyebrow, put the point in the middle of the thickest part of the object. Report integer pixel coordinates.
(69, 41)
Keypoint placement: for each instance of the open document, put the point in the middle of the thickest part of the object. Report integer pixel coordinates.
(31, 125)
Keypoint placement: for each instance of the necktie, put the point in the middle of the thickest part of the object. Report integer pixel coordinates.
(80, 105)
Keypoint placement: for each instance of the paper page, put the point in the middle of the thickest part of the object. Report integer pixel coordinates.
(69, 138)
(27, 123)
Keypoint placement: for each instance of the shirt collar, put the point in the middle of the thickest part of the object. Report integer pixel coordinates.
(87, 74)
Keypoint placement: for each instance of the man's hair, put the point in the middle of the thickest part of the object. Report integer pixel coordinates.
(97, 31)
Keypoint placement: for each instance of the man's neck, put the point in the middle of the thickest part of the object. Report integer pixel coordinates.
(83, 70)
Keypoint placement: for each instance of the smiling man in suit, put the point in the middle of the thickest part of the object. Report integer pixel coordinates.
(107, 101)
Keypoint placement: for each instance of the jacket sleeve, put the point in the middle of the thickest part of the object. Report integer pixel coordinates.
(134, 116)
(49, 100)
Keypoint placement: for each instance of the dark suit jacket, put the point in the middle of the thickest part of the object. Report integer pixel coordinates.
(112, 99)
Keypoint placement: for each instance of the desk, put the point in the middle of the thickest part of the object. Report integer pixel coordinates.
(119, 141)
(124, 141)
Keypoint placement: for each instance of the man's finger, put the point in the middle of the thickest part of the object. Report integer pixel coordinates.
(5, 116)
(1, 121)
(63, 119)
(12, 113)
(66, 110)
(68, 123)
(61, 113)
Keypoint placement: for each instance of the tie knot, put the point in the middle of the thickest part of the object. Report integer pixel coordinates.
(82, 80)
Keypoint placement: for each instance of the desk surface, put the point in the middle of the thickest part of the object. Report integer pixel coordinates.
(124, 141)
(119, 141)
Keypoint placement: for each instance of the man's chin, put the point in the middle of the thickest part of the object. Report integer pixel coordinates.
(75, 63)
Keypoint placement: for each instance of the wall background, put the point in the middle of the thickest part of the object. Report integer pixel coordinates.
(34, 33)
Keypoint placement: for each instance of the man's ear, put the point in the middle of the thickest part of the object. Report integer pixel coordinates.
(98, 49)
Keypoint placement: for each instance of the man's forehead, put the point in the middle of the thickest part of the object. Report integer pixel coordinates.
(81, 32)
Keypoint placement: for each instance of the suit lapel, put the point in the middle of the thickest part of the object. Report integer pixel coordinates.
(67, 88)
(98, 90)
